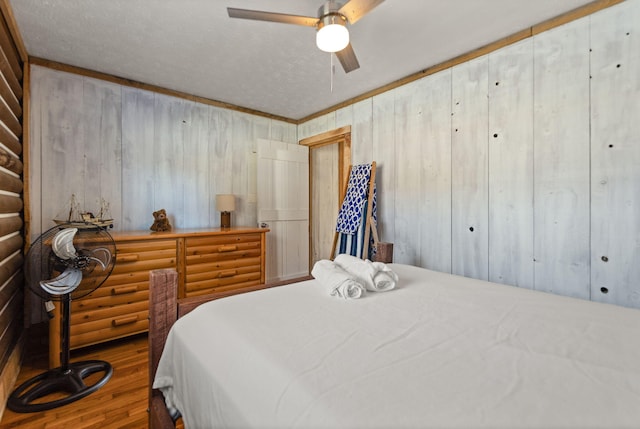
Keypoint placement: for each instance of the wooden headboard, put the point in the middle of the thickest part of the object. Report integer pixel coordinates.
(164, 309)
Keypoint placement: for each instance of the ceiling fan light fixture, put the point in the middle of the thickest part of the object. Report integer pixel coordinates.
(332, 34)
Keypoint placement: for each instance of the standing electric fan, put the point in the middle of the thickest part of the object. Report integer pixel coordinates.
(63, 264)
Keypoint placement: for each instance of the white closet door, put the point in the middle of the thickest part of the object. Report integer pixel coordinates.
(283, 206)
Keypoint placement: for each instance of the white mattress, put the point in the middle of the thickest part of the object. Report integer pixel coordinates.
(440, 351)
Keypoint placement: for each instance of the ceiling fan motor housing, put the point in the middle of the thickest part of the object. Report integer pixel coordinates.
(329, 8)
(329, 14)
(332, 18)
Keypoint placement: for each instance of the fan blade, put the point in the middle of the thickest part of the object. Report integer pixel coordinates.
(356, 9)
(272, 16)
(348, 59)
(62, 243)
(64, 283)
(104, 253)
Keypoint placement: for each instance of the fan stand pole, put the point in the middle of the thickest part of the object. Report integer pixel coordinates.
(66, 380)
(65, 325)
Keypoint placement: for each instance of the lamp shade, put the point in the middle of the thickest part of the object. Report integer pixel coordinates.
(332, 34)
(225, 202)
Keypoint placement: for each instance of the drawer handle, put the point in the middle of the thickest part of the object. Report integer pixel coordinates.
(227, 248)
(127, 258)
(124, 320)
(228, 273)
(123, 290)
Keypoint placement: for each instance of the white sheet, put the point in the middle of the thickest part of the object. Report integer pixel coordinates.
(439, 351)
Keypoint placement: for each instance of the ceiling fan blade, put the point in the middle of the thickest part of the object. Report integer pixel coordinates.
(348, 59)
(272, 16)
(356, 9)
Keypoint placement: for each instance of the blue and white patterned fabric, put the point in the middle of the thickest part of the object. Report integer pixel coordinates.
(351, 212)
(351, 218)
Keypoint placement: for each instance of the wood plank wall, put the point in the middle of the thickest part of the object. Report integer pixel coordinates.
(521, 166)
(11, 207)
(140, 151)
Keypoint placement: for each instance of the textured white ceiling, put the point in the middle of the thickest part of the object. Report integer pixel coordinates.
(194, 47)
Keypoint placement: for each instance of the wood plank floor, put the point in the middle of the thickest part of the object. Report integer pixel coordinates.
(121, 403)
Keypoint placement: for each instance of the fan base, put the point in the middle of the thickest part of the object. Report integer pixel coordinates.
(68, 381)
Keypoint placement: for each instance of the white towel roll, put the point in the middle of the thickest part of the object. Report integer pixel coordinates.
(385, 278)
(375, 276)
(340, 283)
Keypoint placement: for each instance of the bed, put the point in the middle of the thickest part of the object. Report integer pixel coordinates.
(439, 351)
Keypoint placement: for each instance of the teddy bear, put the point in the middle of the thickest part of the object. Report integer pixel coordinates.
(160, 221)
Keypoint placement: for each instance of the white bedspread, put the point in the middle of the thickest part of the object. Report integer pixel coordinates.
(439, 351)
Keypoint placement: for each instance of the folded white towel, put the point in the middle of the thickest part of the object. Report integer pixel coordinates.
(339, 282)
(375, 276)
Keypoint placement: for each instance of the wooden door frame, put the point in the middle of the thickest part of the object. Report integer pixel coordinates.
(342, 137)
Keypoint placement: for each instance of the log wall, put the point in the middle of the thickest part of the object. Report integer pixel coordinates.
(11, 208)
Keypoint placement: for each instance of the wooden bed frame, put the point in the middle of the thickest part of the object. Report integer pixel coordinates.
(164, 309)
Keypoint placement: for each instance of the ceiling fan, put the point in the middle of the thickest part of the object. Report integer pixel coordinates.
(331, 25)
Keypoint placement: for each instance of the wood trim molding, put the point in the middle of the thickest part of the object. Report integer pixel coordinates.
(153, 88)
(328, 137)
(572, 15)
(557, 21)
(7, 11)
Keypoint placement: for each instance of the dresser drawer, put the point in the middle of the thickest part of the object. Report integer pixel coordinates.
(223, 269)
(142, 256)
(223, 248)
(95, 327)
(222, 262)
(82, 320)
(109, 295)
(206, 278)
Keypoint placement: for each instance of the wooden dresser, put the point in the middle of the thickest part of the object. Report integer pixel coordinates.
(206, 261)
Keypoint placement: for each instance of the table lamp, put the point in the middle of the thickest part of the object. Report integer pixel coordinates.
(225, 203)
